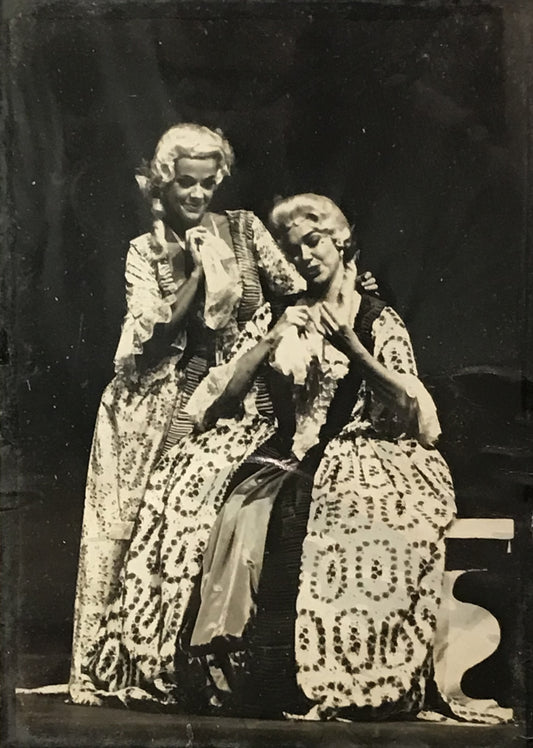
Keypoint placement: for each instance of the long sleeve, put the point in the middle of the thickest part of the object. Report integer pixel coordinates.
(393, 349)
(216, 381)
(147, 305)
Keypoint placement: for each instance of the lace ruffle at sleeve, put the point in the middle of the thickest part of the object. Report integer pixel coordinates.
(150, 292)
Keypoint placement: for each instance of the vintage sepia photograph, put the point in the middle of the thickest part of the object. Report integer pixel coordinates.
(267, 394)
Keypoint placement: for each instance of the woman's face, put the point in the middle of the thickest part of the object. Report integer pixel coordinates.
(314, 254)
(189, 195)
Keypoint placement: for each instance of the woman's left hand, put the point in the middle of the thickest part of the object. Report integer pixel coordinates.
(195, 238)
(338, 333)
(228, 405)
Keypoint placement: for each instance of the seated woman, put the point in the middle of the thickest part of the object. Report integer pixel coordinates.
(135, 654)
(322, 577)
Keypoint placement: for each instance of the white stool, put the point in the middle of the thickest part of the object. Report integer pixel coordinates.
(467, 634)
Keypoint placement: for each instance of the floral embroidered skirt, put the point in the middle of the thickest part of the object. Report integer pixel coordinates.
(346, 604)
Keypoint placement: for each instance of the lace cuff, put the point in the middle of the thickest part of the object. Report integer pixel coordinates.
(425, 411)
(423, 423)
(136, 330)
(150, 292)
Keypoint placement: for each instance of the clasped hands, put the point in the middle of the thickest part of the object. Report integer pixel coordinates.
(194, 239)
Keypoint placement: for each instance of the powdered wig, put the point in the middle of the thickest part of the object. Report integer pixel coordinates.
(319, 210)
(189, 141)
(185, 140)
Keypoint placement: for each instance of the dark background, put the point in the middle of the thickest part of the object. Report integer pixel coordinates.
(411, 116)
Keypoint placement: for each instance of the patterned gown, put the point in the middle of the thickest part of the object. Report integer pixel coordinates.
(133, 655)
(373, 555)
(344, 612)
(142, 412)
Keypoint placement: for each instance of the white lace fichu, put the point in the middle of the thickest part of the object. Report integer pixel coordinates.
(304, 355)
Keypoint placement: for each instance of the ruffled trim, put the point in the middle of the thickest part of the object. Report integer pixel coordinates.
(422, 424)
(135, 332)
(312, 414)
(424, 408)
(223, 288)
(315, 365)
(296, 352)
(151, 291)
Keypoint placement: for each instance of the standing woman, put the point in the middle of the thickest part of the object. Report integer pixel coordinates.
(198, 596)
(192, 283)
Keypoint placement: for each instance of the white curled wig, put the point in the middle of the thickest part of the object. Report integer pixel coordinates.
(190, 141)
(319, 210)
(185, 140)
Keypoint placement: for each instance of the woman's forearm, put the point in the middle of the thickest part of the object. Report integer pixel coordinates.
(184, 298)
(165, 332)
(385, 384)
(243, 375)
(246, 369)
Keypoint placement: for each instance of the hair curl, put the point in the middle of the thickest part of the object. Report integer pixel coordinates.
(188, 140)
(319, 210)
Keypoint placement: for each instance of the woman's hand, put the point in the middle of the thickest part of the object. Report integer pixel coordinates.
(339, 333)
(365, 282)
(195, 238)
(293, 315)
(228, 405)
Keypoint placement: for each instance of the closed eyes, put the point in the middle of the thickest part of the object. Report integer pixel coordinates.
(312, 240)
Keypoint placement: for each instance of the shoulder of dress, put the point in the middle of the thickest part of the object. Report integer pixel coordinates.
(387, 317)
(371, 304)
(142, 244)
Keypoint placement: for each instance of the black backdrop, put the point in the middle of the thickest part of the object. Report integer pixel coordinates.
(409, 118)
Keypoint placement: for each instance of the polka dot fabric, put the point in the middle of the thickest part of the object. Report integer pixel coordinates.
(136, 644)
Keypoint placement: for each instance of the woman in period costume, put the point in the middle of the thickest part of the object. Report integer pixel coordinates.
(321, 539)
(321, 581)
(192, 284)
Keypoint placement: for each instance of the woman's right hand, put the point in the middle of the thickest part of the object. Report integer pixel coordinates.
(194, 241)
(293, 315)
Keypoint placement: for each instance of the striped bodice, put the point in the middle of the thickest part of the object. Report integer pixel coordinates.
(206, 348)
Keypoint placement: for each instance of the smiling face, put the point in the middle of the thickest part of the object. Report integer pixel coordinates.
(313, 253)
(187, 198)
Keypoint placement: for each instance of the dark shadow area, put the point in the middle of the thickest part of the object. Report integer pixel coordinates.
(47, 718)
